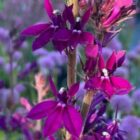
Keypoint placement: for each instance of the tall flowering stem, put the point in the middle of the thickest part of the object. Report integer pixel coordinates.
(71, 66)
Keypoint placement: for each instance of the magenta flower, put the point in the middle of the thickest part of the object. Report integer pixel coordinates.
(105, 81)
(59, 112)
(76, 34)
(44, 32)
(120, 10)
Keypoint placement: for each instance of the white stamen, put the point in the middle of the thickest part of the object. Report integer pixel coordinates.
(105, 134)
(105, 72)
(78, 19)
(56, 11)
(53, 26)
(61, 91)
(61, 104)
(74, 31)
(79, 31)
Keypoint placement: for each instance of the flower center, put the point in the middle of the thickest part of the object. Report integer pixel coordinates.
(78, 19)
(56, 11)
(77, 31)
(62, 90)
(106, 134)
(61, 105)
(105, 73)
(54, 26)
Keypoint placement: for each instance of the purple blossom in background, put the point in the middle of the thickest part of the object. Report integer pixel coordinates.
(115, 44)
(62, 109)
(136, 97)
(122, 72)
(1, 84)
(27, 69)
(122, 103)
(51, 60)
(7, 67)
(131, 125)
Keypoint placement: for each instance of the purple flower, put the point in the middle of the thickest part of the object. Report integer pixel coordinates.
(131, 125)
(105, 81)
(122, 103)
(1, 84)
(44, 32)
(136, 97)
(62, 108)
(27, 69)
(76, 34)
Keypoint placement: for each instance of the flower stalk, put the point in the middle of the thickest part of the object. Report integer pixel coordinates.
(71, 66)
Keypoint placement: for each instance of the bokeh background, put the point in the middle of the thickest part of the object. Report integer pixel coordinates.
(19, 65)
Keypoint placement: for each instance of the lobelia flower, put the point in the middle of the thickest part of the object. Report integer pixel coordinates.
(62, 108)
(76, 34)
(44, 32)
(105, 81)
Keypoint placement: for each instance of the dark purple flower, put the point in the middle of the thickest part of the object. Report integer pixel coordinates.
(76, 34)
(62, 108)
(44, 32)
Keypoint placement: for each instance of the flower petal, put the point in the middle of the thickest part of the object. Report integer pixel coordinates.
(42, 109)
(68, 15)
(120, 56)
(86, 38)
(85, 17)
(43, 39)
(49, 8)
(101, 62)
(53, 122)
(62, 35)
(122, 86)
(125, 3)
(111, 63)
(107, 87)
(73, 89)
(113, 17)
(60, 45)
(53, 87)
(35, 30)
(72, 120)
(94, 83)
(92, 51)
